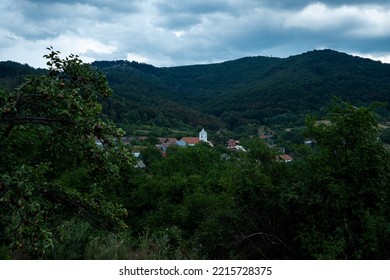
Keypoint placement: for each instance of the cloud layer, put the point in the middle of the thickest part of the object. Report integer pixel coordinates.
(175, 32)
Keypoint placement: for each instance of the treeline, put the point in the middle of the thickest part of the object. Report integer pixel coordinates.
(69, 188)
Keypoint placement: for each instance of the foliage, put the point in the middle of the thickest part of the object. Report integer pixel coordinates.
(329, 204)
(48, 127)
(385, 136)
(342, 205)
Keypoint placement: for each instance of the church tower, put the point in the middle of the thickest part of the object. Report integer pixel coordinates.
(203, 135)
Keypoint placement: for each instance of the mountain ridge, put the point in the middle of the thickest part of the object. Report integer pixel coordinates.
(249, 90)
(272, 90)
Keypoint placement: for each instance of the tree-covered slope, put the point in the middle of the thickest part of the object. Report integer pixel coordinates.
(141, 96)
(11, 73)
(254, 89)
(303, 83)
(260, 90)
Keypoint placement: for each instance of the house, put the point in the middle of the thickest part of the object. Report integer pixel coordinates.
(162, 147)
(140, 160)
(232, 143)
(191, 141)
(285, 158)
(167, 140)
(181, 143)
(235, 145)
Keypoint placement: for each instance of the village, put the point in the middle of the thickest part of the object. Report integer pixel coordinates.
(232, 144)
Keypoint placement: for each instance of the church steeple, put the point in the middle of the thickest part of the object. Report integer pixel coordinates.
(203, 135)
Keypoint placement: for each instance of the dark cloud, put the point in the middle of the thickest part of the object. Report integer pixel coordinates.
(48, 9)
(177, 32)
(177, 14)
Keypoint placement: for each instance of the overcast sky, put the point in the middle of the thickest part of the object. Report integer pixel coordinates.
(183, 32)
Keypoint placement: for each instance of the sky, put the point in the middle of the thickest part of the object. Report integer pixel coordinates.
(186, 32)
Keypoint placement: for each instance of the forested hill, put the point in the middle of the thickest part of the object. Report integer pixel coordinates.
(233, 94)
(254, 89)
(11, 73)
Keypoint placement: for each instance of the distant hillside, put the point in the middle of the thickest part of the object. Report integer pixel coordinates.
(263, 90)
(141, 96)
(233, 94)
(12, 73)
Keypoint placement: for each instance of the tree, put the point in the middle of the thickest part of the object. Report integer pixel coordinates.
(385, 136)
(52, 169)
(340, 207)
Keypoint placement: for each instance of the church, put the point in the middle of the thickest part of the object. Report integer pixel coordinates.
(191, 141)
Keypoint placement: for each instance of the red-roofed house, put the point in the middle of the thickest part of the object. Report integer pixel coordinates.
(232, 143)
(168, 140)
(191, 141)
(285, 158)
